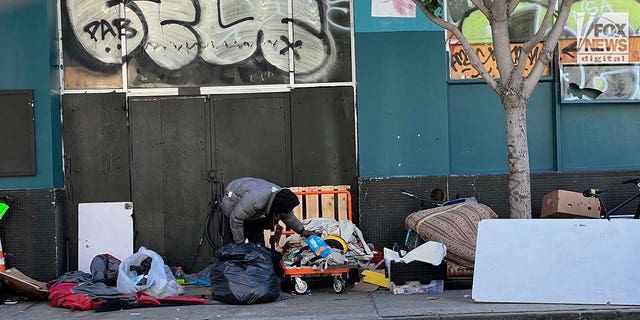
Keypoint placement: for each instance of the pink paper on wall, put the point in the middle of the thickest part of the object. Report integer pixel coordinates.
(393, 8)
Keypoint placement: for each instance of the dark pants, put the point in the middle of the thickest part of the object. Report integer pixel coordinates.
(253, 231)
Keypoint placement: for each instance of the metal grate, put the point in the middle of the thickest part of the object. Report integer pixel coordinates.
(383, 208)
(33, 233)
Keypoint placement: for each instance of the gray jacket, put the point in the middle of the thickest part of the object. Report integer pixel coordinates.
(247, 199)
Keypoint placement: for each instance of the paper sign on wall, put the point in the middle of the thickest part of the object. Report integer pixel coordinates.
(393, 8)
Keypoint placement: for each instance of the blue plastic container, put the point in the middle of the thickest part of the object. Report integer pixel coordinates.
(318, 246)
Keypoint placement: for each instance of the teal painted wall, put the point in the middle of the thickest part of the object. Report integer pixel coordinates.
(403, 91)
(411, 121)
(28, 36)
(364, 22)
(402, 104)
(478, 142)
(600, 136)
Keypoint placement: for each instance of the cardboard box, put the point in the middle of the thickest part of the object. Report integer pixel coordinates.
(17, 282)
(569, 204)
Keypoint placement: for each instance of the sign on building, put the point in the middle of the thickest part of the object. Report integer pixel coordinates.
(603, 39)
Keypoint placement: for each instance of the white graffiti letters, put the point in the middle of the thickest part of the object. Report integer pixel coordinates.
(174, 33)
(98, 26)
(593, 8)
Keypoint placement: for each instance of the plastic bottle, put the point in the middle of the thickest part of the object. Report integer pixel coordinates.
(318, 246)
(180, 275)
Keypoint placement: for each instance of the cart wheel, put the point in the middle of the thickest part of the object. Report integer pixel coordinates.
(300, 286)
(339, 285)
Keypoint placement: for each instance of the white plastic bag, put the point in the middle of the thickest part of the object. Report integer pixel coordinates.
(160, 282)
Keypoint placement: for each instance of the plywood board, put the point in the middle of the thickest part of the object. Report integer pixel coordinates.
(96, 154)
(80, 78)
(569, 51)
(323, 137)
(147, 168)
(461, 68)
(577, 261)
(105, 227)
(170, 164)
(263, 151)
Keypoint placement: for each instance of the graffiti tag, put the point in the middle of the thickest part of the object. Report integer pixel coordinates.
(461, 68)
(174, 34)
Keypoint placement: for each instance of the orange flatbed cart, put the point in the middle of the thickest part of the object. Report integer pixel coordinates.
(338, 272)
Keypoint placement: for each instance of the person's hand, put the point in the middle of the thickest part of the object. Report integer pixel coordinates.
(308, 233)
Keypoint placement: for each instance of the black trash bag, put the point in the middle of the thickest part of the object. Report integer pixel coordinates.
(243, 274)
(104, 268)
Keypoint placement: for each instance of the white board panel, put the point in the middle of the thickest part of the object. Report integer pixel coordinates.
(577, 261)
(105, 227)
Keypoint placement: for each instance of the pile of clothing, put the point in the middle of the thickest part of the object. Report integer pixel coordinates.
(77, 290)
(345, 239)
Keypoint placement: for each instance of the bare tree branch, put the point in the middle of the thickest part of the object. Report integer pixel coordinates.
(488, 4)
(471, 54)
(480, 7)
(512, 5)
(547, 50)
(499, 21)
(533, 42)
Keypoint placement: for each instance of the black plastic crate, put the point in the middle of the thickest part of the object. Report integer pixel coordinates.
(400, 273)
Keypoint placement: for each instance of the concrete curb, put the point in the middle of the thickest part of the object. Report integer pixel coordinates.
(633, 314)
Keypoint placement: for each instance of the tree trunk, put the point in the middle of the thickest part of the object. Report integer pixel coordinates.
(518, 156)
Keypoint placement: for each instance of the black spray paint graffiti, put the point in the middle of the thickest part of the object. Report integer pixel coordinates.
(173, 34)
(460, 62)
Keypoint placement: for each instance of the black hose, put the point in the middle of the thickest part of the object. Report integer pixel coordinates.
(207, 225)
(206, 233)
(213, 208)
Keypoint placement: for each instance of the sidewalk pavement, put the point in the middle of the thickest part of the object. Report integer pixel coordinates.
(324, 304)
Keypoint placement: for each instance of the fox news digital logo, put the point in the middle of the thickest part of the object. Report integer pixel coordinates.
(603, 39)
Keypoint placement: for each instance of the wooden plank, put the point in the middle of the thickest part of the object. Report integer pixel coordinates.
(328, 203)
(186, 191)
(312, 205)
(147, 178)
(96, 153)
(568, 50)
(297, 211)
(460, 66)
(342, 204)
(76, 78)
